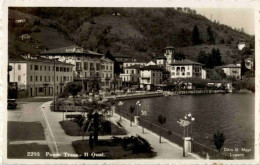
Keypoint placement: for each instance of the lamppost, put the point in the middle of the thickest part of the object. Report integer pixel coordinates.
(121, 103)
(188, 119)
(136, 118)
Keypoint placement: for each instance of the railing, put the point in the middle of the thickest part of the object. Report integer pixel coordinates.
(197, 147)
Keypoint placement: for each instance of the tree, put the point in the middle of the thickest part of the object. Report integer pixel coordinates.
(216, 57)
(96, 126)
(219, 140)
(202, 57)
(196, 36)
(211, 39)
(73, 88)
(178, 56)
(161, 120)
(131, 110)
(94, 83)
(109, 56)
(243, 66)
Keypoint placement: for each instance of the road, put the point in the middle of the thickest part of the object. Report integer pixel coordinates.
(27, 134)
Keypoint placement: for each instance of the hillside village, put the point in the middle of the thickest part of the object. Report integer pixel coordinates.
(214, 64)
(128, 83)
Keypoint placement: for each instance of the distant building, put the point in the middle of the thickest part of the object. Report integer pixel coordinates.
(169, 54)
(86, 64)
(131, 74)
(107, 73)
(130, 63)
(232, 70)
(20, 21)
(161, 61)
(241, 45)
(186, 68)
(249, 63)
(36, 75)
(123, 58)
(25, 37)
(150, 63)
(150, 76)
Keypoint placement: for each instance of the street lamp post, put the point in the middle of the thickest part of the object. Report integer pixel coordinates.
(54, 59)
(120, 104)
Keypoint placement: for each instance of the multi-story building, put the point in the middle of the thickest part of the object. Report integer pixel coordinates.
(131, 74)
(186, 69)
(150, 76)
(107, 73)
(232, 70)
(38, 75)
(86, 64)
(161, 61)
(130, 63)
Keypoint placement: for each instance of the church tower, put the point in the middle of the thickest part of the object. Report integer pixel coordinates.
(169, 52)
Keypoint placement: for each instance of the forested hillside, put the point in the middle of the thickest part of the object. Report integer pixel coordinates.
(138, 32)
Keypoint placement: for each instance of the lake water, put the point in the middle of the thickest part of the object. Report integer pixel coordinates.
(232, 114)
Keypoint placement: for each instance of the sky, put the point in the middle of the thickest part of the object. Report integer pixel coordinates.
(234, 17)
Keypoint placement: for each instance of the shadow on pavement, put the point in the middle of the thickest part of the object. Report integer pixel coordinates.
(18, 131)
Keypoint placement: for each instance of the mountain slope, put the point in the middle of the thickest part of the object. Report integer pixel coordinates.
(138, 32)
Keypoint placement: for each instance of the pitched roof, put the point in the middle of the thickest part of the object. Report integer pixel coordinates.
(231, 66)
(106, 60)
(134, 61)
(169, 47)
(161, 57)
(185, 62)
(38, 59)
(152, 67)
(73, 49)
(134, 67)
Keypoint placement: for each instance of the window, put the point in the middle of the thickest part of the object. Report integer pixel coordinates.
(31, 77)
(36, 67)
(57, 69)
(183, 73)
(19, 66)
(188, 73)
(40, 90)
(126, 71)
(49, 68)
(102, 67)
(106, 67)
(40, 78)
(57, 77)
(31, 67)
(97, 66)
(40, 67)
(188, 68)
(45, 68)
(132, 71)
(85, 65)
(19, 78)
(111, 68)
(36, 78)
(45, 78)
(173, 73)
(49, 78)
(173, 68)
(91, 66)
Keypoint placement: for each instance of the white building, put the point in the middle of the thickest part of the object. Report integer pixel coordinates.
(130, 63)
(232, 70)
(86, 64)
(150, 76)
(241, 45)
(186, 69)
(131, 74)
(36, 75)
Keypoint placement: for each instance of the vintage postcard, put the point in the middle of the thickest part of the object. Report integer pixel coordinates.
(117, 82)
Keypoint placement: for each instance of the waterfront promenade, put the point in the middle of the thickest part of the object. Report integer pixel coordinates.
(60, 142)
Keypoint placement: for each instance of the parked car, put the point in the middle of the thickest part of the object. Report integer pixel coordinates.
(11, 104)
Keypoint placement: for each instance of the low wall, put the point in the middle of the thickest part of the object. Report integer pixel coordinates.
(135, 96)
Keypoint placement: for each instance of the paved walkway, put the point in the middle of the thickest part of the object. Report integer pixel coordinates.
(62, 142)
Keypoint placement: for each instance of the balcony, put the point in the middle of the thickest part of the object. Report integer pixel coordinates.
(145, 77)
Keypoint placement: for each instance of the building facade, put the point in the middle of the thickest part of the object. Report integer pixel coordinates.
(38, 76)
(131, 74)
(232, 70)
(86, 64)
(186, 69)
(150, 76)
